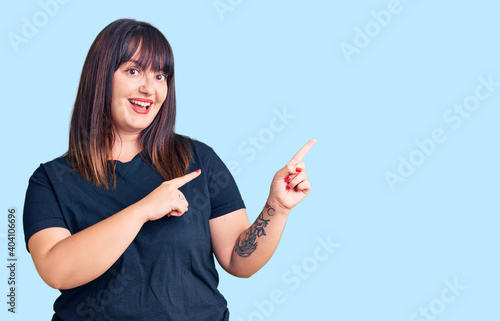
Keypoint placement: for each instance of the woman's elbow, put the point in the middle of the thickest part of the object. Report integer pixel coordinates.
(242, 272)
(54, 278)
(244, 275)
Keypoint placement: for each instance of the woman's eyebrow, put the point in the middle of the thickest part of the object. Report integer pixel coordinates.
(133, 62)
(137, 63)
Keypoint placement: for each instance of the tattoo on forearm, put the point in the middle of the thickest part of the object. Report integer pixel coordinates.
(269, 209)
(247, 245)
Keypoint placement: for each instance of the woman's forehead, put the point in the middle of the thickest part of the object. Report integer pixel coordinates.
(146, 60)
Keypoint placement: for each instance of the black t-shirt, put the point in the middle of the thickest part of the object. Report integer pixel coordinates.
(168, 271)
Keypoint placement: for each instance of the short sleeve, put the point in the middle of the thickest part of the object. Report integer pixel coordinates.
(41, 207)
(224, 194)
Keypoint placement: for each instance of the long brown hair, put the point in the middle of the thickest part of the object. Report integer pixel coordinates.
(92, 135)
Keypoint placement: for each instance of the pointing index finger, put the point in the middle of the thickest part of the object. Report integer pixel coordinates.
(179, 181)
(303, 151)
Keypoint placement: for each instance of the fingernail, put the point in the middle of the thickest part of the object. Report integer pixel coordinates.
(295, 189)
(298, 169)
(168, 215)
(288, 187)
(198, 170)
(288, 179)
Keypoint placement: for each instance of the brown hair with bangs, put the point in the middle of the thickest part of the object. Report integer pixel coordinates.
(92, 132)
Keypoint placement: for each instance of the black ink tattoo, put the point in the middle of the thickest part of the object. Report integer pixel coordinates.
(246, 246)
(269, 209)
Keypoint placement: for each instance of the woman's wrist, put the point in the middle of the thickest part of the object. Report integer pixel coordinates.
(136, 211)
(274, 207)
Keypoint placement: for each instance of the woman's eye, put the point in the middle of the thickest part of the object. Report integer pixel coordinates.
(132, 71)
(161, 77)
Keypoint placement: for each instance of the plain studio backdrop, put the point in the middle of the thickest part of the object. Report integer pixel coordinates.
(403, 97)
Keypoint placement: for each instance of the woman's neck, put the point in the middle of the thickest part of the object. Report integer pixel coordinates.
(125, 148)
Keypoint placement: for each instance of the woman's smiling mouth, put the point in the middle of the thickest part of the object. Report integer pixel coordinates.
(140, 105)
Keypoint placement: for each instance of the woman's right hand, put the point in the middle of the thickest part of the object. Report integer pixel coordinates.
(166, 199)
(66, 260)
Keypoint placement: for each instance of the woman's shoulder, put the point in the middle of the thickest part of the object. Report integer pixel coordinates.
(58, 162)
(202, 154)
(57, 166)
(197, 146)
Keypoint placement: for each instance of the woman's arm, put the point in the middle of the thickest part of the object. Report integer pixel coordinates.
(66, 261)
(242, 249)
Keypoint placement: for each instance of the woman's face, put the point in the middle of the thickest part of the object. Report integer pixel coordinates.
(137, 97)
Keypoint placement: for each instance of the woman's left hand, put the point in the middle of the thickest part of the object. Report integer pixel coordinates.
(290, 184)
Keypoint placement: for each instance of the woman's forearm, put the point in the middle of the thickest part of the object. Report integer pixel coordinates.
(256, 245)
(84, 256)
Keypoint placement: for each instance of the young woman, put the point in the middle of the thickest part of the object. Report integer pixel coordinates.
(127, 222)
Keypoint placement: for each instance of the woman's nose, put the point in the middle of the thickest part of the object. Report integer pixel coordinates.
(147, 87)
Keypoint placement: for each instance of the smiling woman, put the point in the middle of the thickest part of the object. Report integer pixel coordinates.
(110, 223)
(123, 59)
(138, 96)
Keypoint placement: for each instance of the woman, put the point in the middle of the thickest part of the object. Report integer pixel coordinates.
(127, 222)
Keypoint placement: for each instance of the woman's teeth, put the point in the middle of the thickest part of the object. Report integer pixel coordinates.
(140, 103)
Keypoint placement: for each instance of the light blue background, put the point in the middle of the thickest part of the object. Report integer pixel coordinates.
(396, 249)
